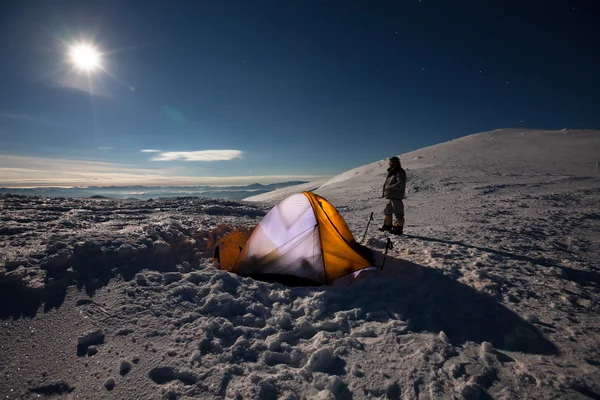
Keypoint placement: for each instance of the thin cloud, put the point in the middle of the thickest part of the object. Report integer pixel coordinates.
(105, 148)
(22, 117)
(201, 155)
(150, 151)
(92, 84)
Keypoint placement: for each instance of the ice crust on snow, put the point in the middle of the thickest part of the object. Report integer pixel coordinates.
(493, 291)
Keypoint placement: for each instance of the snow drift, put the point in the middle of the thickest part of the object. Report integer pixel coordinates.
(493, 292)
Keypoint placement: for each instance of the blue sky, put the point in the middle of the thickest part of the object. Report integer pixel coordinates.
(278, 90)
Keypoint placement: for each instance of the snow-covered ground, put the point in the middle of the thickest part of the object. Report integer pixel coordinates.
(492, 293)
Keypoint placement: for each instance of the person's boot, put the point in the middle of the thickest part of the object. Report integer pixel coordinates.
(387, 223)
(398, 227)
(397, 230)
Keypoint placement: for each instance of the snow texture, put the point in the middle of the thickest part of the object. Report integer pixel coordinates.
(493, 292)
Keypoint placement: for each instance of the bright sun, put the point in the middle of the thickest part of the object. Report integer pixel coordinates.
(85, 57)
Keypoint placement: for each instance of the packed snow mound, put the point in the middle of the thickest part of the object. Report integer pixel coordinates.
(501, 152)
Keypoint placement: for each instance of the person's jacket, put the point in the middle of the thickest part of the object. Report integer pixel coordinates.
(395, 184)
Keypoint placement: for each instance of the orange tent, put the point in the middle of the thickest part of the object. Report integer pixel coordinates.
(303, 236)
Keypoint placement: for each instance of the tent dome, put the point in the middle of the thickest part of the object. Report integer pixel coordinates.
(303, 237)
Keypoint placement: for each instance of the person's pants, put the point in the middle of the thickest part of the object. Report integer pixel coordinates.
(396, 208)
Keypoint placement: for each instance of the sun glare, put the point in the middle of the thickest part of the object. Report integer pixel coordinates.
(85, 57)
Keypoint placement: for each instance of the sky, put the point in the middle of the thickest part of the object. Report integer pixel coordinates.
(236, 92)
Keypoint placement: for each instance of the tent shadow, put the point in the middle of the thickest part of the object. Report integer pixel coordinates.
(17, 301)
(431, 302)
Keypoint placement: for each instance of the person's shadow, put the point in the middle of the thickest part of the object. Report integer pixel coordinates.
(584, 278)
(429, 301)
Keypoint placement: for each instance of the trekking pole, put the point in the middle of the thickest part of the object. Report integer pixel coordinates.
(388, 246)
(366, 230)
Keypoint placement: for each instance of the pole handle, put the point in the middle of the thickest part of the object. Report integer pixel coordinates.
(388, 246)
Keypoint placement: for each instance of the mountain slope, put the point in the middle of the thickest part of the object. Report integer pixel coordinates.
(503, 152)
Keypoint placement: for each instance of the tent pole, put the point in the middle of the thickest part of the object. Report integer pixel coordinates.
(217, 255)
(238, 256)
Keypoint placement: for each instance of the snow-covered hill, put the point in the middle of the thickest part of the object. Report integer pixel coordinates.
(499, 153)
(493, 292)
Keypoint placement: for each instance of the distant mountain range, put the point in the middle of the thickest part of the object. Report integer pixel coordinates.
(153, 192)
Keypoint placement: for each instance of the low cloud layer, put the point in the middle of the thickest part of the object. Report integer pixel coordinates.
(19, 171)
(201, 155)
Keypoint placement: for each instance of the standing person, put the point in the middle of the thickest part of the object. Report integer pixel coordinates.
(393, 190)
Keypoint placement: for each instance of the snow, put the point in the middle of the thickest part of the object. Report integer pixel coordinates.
(492, 292)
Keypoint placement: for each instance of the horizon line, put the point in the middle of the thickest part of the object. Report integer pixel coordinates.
(304, 179)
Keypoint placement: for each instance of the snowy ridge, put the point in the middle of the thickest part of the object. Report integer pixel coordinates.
(493, 292)
(526, 152)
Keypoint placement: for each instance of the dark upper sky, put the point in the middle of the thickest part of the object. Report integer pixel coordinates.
(294, 87)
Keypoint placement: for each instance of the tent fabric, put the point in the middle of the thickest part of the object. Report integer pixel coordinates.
(285, 242)
(302, 236)
(230, 247)
(337, 240)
